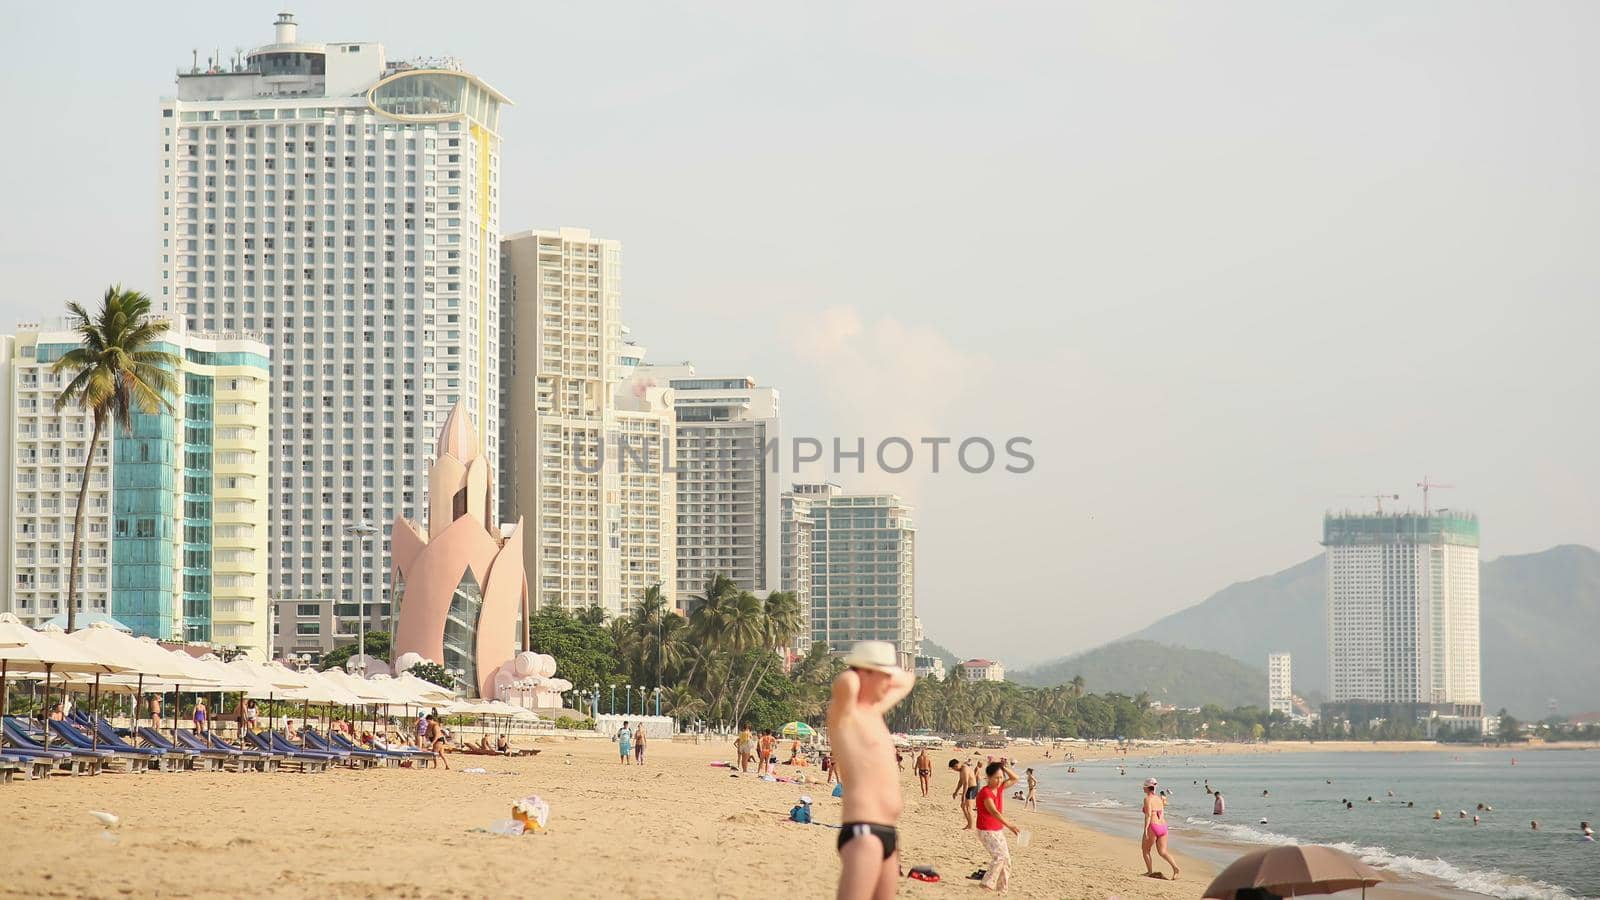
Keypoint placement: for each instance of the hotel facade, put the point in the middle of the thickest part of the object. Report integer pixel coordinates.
(1403, 614)
(175, 517)
(345, 207)
(860, 584)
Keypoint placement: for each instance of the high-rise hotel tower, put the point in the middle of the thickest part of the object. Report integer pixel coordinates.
(1403, 614)
(344, 207)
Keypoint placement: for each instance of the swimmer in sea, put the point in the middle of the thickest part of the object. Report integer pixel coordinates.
(1587, 830)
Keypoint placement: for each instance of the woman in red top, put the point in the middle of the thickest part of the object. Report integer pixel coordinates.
(991, 803)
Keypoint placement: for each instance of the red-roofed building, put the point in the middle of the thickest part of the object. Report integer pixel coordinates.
(982, 670)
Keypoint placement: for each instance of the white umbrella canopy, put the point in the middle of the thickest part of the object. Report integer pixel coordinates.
(142, 661)
(321, 689)
(269, 680)
(366, 691)
(29, 651)
(230, 680)
(421, 691)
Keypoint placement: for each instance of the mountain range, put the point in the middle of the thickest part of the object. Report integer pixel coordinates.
(1540, 613)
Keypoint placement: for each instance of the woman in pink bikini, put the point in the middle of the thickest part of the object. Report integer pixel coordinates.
(1155, 830)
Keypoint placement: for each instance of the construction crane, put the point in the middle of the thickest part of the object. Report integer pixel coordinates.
(1377, 497)
(1426, 486)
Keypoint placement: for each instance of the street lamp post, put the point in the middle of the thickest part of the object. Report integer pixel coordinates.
(658, 701)
(627, 693)
(613, 699)
(365, 530)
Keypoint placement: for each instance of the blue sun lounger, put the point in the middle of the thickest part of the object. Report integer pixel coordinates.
(399, 756)
(266, 760)
(205, 760)
(354, 755)
(133, 759)
(307, 760)
(78, 762)
(242, 760)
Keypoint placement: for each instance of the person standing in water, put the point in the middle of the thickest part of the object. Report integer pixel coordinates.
(1218, 807)
(1033, 791)
(1155, 831)
(872, 683)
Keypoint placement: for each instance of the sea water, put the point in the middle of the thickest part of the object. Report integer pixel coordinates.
(1500, 856)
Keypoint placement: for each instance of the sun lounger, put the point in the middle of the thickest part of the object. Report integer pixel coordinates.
(205, 759)
(188, 740)
(80, 762)
(110, 740)
(9, 766)
(314, 743)
(423, 758)
(307, 760)
(359, 754)
(265, 759)
(32, 766)
(133, 759)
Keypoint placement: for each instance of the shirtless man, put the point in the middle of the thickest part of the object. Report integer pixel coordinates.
(966, 789)
(873, 683)
(924, 767)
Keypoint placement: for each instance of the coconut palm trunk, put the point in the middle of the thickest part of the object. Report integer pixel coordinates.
(77, 525)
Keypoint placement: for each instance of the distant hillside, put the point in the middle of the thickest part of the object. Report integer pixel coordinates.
(1540, 613)
(1172, 674)
(929, 648)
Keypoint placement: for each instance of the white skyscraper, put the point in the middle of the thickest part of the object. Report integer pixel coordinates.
(584, 462)
(1280, 686)
(857, 577)
(728, 494)
(344, 207)
(1403, 611)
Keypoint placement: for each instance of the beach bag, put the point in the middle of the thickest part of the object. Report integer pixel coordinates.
(800, 813)
(838, 790)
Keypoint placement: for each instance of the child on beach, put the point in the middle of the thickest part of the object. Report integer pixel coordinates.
(868, 856)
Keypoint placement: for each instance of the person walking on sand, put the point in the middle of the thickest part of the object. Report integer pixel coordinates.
(744, 745)
(992, 826)
(201, 725)
(1033, 791)
(765, 747)
(924, 768)
(966, 789)
(625, 743)
(869, 860)
(638, 744)
(1155, 831)
(435, 738)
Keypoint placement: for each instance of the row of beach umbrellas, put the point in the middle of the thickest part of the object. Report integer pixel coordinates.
(104, 658)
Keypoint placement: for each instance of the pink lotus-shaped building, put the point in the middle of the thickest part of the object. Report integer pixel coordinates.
(460, 588)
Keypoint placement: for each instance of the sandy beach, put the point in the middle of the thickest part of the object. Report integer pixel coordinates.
(677, 827)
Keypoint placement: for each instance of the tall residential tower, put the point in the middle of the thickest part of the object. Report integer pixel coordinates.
(345, 207)
(860, 584)
(1403, 613)
(175, 515)
(586, 440)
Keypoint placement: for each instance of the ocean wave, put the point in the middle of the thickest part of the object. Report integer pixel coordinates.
(1103, 804)
(1480, 881)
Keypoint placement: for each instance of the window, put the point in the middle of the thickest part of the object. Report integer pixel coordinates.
(307, 609)
(311, 628)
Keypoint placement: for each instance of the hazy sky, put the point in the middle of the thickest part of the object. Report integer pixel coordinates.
(1227, 264)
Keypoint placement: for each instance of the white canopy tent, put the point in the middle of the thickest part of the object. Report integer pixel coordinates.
(25, 651)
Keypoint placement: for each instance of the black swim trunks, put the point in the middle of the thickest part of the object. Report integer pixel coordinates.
(972, 793)
(886, 835)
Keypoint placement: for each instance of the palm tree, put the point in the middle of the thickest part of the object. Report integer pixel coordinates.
(1077, 684)
(115, 372)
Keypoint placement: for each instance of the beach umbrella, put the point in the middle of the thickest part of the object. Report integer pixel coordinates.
(1294, 871)
(798, 730)
(143, 659)
(23, 650)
